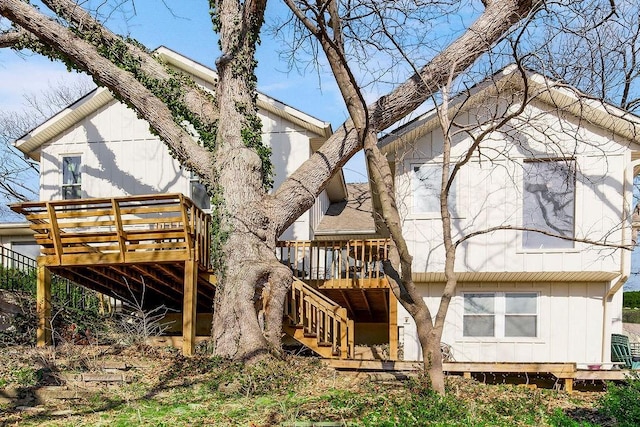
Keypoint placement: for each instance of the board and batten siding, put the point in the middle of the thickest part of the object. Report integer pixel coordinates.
(120, 156)
(317, 211)
(569, 324)
(489, 193)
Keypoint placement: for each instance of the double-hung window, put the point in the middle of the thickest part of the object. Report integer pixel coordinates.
(548, 203)
(71, 177)
(426, 185)
(500, 314)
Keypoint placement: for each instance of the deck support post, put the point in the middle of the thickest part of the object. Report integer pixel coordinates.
(393, 326)
(568, 385)
(189, 317)
(43, 306)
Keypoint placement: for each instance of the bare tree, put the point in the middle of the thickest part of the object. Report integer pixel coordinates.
(595, 47)
(19, 175)
(331, 24)
(230, 158)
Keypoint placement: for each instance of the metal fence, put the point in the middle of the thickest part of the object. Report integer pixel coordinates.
(19, 272)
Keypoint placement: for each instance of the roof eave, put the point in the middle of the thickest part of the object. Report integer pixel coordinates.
(31, 142)
(265, 102)
(557, 95)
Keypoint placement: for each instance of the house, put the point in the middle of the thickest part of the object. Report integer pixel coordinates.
(98, 147)
(553, 185)
(541, 210)
(119, 215)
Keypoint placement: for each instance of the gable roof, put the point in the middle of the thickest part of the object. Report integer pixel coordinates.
(31, 142)
(553, 93)
(352, 217)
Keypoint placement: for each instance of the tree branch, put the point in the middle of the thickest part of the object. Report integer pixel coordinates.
(121, 82)
(546, 233)
(292, 199)
(14, 37)
(194, 97)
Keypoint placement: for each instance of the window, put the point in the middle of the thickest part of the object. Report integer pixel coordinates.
(479, 315)
(199, 193)
(548, 205)
(71, 178)
(500, 314)
(520, 317)
(426, 189)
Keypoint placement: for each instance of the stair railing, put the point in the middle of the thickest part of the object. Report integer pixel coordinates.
(322, 318)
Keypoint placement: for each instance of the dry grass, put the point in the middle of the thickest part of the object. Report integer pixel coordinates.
(164, 388)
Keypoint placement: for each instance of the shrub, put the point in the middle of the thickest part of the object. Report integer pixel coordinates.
(622, 402)
(631, 299)
(630, 315)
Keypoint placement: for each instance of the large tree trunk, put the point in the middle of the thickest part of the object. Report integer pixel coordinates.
(245, 260)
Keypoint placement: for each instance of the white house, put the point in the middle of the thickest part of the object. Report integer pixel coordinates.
(563, 167)
(98, 147)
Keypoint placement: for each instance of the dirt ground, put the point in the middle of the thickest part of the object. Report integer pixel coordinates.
(71, 379)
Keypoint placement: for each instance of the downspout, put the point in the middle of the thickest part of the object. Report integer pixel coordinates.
(614, 287)
(617, 283)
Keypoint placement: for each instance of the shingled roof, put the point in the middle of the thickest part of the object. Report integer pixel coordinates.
(351, 217)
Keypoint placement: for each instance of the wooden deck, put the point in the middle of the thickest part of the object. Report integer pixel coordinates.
(153, 249)
(349, 272)
(566, 372)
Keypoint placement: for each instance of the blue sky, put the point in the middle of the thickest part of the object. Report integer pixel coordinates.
(187, 29)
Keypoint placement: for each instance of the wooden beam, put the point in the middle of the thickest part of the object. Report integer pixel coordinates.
(189, 307)
(393, 326)
(559, 370)
(54, 231)
(366, 303)
(185, 226)
(346, 302)
(164, 268)
(89, 259)
(117, 218)
(568, 385)
(149, 273)
(43, 306)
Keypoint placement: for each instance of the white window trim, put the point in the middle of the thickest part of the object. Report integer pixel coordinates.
(499, 316)
(62, 184)
(577, 213)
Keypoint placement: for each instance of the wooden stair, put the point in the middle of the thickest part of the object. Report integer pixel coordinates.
(318, 323)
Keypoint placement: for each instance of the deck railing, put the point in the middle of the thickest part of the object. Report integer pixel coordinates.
(119, 227)
(18, 273)
(336, 264)
(321, 320)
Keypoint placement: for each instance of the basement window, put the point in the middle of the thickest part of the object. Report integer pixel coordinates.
(500, 314)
